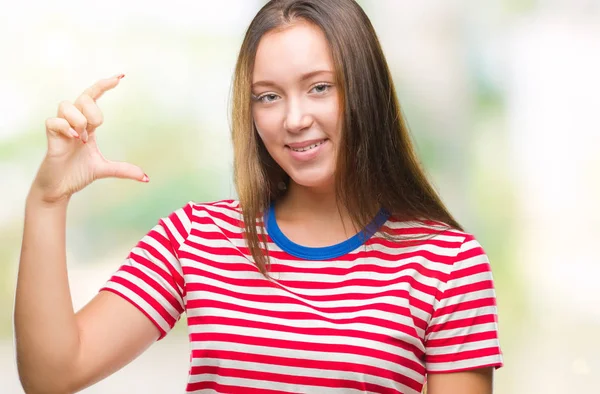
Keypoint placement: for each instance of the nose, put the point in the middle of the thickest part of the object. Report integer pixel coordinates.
(297, 118)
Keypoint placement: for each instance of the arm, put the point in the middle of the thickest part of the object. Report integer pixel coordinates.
(59, 351)
(478, 381)
(462, 346)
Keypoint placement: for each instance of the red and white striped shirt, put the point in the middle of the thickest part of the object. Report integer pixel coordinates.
(366, 315)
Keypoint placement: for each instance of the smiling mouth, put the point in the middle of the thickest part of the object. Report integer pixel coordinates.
(307, 148)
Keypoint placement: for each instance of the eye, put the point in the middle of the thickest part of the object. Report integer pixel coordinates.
(265, 98)
(321, 88)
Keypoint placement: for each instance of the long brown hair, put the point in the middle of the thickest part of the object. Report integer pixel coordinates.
(376, 164)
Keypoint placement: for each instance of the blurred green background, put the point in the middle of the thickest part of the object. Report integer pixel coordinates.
(500, 96)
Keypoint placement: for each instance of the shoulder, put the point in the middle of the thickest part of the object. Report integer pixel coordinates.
(228, 208)
(195, 213)
(466, 262)
(196, 216)
(431, 234)
(194, 208)
(441, 247)
(185, 216)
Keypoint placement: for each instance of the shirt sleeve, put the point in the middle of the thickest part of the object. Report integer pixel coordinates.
(463, 331)
(151, 277)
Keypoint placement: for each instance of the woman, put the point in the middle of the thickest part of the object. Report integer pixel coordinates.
(339, 270)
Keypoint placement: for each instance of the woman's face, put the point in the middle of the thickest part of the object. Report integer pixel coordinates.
(296, 105)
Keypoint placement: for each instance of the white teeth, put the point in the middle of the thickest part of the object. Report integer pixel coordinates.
(307, 147)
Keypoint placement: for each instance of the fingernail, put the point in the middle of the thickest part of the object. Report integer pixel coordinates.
(145, 178)
(84, 136)
(120, 76)
(73, 133)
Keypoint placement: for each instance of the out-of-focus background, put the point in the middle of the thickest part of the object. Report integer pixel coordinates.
(502, 97)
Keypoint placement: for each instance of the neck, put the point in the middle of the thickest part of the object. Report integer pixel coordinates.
(307, 204)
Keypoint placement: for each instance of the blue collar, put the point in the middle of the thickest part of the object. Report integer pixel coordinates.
(326, 252)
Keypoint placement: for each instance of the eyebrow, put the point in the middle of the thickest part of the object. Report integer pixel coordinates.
(303, 78)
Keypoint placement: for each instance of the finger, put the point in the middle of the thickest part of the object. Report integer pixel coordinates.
(99, 88)
(60, 127)
(88, 107)
(75, 118)
(120, 169)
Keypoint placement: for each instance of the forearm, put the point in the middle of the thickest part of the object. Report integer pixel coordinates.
(46, 332)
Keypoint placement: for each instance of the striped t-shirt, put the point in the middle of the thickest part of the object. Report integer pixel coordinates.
(366, 315)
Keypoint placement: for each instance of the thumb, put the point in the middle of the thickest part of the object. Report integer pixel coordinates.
(121, 169)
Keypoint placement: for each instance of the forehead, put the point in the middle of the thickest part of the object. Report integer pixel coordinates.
(294, 50)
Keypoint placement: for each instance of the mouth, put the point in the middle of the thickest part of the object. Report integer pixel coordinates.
(307, 145)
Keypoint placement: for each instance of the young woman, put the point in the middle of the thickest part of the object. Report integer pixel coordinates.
(339, 270)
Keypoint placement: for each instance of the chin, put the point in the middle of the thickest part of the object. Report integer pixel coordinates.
(319, 180)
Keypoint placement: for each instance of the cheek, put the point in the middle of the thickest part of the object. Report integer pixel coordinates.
(267, 124)
(331, 119)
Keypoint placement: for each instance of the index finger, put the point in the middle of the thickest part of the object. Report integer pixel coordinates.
(97, 90)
